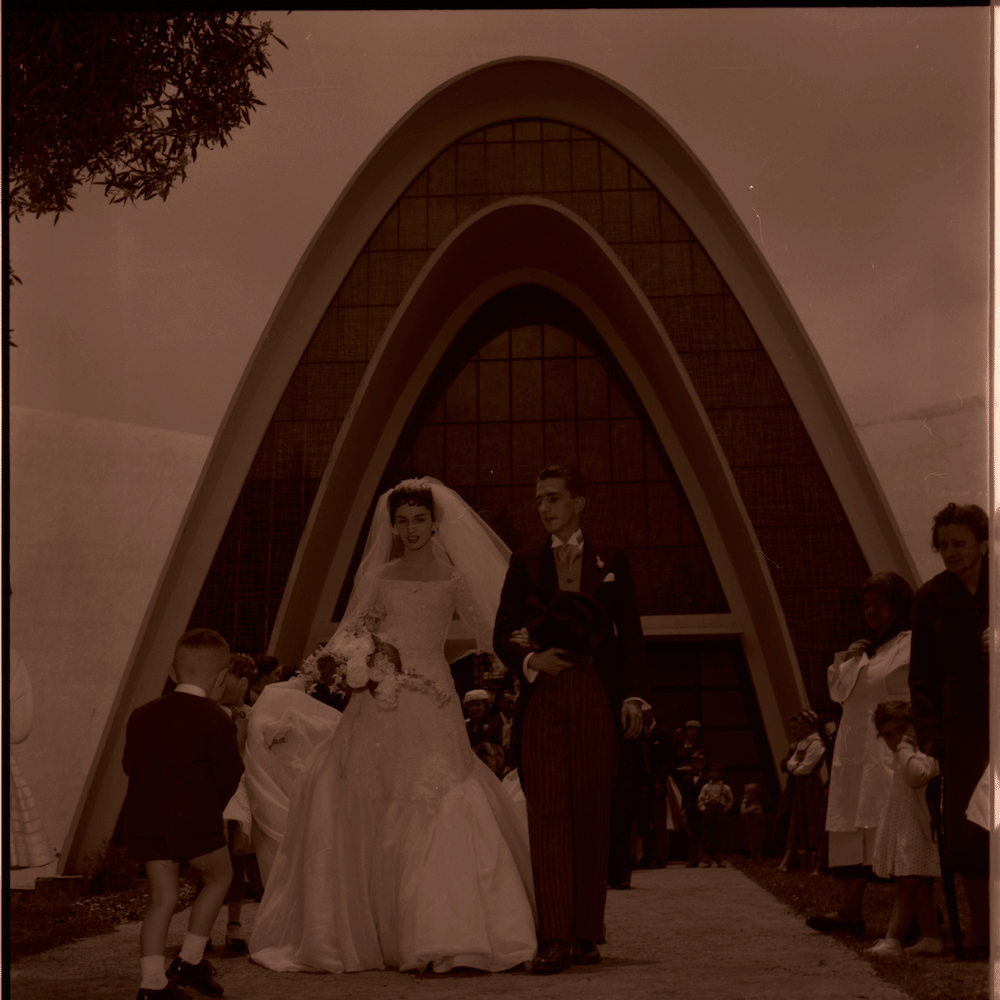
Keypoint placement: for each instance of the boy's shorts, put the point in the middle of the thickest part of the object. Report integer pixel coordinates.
(172, 848)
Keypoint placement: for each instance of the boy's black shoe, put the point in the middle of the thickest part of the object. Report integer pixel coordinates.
(169, 992)
(199, 977)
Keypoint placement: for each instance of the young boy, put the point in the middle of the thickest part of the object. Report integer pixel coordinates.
(714, 800)
(183, 765)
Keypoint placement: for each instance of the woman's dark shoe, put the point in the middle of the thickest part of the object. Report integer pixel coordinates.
(834, 925)
(552, 957)
(584, 953)
(200, 977)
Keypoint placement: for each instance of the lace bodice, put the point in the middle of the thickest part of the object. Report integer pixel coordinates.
(419, 613)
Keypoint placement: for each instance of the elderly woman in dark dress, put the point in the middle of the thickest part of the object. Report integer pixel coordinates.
(949, 688)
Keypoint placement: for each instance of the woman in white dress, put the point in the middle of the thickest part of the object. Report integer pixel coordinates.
(870, 671)
(402, 849)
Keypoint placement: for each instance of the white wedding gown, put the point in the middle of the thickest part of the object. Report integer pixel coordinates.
(402, 848)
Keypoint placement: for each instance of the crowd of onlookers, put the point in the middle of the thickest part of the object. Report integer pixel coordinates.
(893, 789)
(888, 791)
(911, 752)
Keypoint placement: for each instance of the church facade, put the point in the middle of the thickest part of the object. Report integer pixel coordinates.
(532, 268)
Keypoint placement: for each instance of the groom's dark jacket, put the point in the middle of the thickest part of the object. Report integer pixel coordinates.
(606, 576)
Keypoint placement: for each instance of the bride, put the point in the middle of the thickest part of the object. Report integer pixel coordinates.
(402, 848)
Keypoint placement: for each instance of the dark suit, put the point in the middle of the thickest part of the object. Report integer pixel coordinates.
(478, 732)
(495, 734)
(183, 765)
(570, 737)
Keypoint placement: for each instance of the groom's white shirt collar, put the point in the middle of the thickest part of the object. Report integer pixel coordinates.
(191, 689)
(575, 539)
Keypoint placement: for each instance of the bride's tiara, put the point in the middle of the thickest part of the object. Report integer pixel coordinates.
(410, 485)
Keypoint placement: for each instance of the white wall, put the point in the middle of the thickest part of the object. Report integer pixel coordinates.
(925, 460)
(94, 508)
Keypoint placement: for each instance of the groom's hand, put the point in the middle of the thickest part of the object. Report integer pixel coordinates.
(553, 661)
(521, 638)
(631, 719)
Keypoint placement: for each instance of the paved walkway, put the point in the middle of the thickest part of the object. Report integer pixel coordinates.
(679, 933)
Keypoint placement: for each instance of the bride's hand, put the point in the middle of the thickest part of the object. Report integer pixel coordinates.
(521, 638)
(551, 661)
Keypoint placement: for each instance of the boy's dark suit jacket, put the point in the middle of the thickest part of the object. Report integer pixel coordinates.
(621, 658)
(183, 765)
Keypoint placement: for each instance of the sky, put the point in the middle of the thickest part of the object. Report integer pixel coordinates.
(853, 145)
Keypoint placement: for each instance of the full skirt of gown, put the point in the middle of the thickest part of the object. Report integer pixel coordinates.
(402, 849)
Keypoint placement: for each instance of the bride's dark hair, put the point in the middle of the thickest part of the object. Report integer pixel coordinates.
(417, 497)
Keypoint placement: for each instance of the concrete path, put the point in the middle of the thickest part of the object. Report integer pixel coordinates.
(679, 933)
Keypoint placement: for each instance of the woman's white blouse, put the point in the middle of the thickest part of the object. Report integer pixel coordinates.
(861, 776)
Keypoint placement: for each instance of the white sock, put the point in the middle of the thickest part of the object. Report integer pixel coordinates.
(193, 948)
(153, 976)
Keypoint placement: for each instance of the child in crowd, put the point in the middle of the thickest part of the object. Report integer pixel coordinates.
(752, 811)
(904, 847)
(690, 781)
(714, 800)
(183, 765)
(492, 755)
(807, 813)
(242, 673)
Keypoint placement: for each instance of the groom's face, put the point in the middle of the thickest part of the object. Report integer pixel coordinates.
(558, 509)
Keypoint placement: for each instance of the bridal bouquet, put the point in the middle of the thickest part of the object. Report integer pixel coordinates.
(363, 655)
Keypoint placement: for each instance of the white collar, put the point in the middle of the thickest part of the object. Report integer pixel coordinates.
(191, 689)
(575, 539)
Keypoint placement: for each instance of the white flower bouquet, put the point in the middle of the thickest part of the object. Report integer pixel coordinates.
(362, 655)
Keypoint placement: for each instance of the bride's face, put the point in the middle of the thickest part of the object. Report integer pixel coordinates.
(414, 525)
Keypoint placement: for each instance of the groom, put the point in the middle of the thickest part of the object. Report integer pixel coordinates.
(575, 711)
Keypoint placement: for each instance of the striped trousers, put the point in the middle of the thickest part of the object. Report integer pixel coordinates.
(569, 759)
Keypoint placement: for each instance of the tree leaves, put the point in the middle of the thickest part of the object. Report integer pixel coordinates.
(122, 99)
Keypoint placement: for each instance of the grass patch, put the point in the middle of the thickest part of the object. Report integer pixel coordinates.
(922, 978)
(38, 927)
(115, 894)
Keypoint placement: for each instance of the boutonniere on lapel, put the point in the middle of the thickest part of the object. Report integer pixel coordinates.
(600, 563)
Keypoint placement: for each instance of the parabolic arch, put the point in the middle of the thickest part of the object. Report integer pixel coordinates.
(519, 239)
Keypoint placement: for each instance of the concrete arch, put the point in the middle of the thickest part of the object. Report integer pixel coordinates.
(504, 90)
(529, 240)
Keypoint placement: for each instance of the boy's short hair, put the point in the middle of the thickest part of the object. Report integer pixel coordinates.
(569, 474)
(892, 711)
(199, 657)
(202, 638)
(242, 665)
